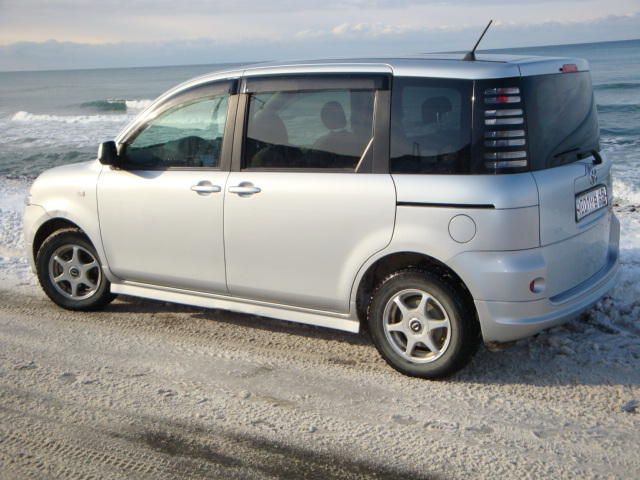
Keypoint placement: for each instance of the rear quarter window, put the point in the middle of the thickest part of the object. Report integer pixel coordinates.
(430, 126)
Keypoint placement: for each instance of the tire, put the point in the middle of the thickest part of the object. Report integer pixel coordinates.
(421, 325)
(69, 256)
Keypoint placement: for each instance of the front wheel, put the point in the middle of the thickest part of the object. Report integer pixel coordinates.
(69, 272)
(421, 325)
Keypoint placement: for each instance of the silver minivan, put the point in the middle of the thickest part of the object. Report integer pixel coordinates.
(436, 201)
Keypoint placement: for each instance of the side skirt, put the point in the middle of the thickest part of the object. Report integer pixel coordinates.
(310, 317)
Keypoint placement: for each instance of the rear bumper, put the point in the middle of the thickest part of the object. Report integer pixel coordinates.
(507, 321)
(504, 321)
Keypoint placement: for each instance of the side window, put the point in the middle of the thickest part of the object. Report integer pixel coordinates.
(308, 129)
(430, 126)
(187, 135)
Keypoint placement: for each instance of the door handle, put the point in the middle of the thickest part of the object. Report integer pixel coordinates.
(205, 188)
(244, 189)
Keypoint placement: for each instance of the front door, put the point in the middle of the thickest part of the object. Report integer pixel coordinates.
(304, 210)
(161, 210)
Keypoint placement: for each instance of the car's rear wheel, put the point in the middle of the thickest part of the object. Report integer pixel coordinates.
(421, 324)
(70, 273)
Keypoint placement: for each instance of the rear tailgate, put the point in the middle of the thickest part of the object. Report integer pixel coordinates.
(573, 178)
(581, 247)
(559, 189)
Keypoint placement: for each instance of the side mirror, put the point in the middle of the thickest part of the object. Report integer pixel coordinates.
(108, 153)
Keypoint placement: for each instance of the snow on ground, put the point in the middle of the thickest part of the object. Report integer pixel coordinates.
(153, 390)
(14, 268)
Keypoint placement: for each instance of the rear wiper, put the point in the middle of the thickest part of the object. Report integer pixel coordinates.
(567, 152)
(597, 159)
(581, 154)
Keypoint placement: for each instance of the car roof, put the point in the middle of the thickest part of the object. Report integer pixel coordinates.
(439, 65)
(434, 65)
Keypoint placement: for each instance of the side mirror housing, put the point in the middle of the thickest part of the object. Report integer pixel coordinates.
(108, 153)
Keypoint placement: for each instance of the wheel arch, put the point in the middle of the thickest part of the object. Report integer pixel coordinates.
(96, 293)
(376, 271)
(51, 226)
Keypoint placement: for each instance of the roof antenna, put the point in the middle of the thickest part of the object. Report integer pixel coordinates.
(471, 56)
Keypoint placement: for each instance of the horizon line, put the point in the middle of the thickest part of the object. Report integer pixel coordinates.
(249, 62)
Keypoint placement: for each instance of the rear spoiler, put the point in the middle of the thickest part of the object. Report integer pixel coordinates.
(545, 66)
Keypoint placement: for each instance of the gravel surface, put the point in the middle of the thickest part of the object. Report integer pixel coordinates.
(153, 390)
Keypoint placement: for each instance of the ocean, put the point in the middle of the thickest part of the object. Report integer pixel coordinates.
(57, 117)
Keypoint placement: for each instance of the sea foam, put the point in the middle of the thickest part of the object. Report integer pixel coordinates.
(25, 117)
(137, 104)
(117, 105)
(122, 110)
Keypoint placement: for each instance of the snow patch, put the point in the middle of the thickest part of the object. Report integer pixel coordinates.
(14, 267)
(625, 194)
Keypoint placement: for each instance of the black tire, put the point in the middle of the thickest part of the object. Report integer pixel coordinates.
(96, 298)
(456, 347)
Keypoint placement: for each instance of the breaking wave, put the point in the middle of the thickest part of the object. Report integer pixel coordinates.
(617, 86)
(114, 111)
(116, 105)
(137, 104)
(38, 117)
(619, 108)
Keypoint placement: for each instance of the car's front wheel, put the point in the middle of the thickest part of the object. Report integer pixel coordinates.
(421, 325)
(69, 272)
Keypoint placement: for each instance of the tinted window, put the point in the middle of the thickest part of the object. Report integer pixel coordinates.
(561, 118)
(430, 125)
(188, 135)
(308, 129)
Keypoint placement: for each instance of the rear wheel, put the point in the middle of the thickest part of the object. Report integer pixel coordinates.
(421, 325)
(69, 272)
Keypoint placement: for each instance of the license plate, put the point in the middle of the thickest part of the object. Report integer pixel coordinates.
(591, 201)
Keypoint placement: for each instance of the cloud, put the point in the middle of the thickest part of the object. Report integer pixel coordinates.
(207, 7)
(334, 36)
(108, 21)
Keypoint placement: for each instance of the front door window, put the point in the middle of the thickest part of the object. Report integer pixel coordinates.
(187, 135)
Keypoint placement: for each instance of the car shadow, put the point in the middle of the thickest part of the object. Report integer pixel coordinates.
(126, 304)
(536, 361)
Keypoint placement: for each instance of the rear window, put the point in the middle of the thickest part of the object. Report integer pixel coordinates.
(431, 126)
(562, 123)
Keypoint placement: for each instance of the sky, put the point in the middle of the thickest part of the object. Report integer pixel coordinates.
(61, 34)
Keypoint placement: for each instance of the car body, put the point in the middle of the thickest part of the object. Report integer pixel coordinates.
(299, 227)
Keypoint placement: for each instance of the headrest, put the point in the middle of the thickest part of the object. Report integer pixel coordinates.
(333, 116)
(268, 127)
(434, 106)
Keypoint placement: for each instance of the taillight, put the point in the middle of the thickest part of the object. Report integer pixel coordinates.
(502, 99)
(569, 68)
(502, 91)
(504, 133)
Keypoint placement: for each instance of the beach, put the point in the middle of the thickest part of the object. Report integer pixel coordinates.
(149, 389)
